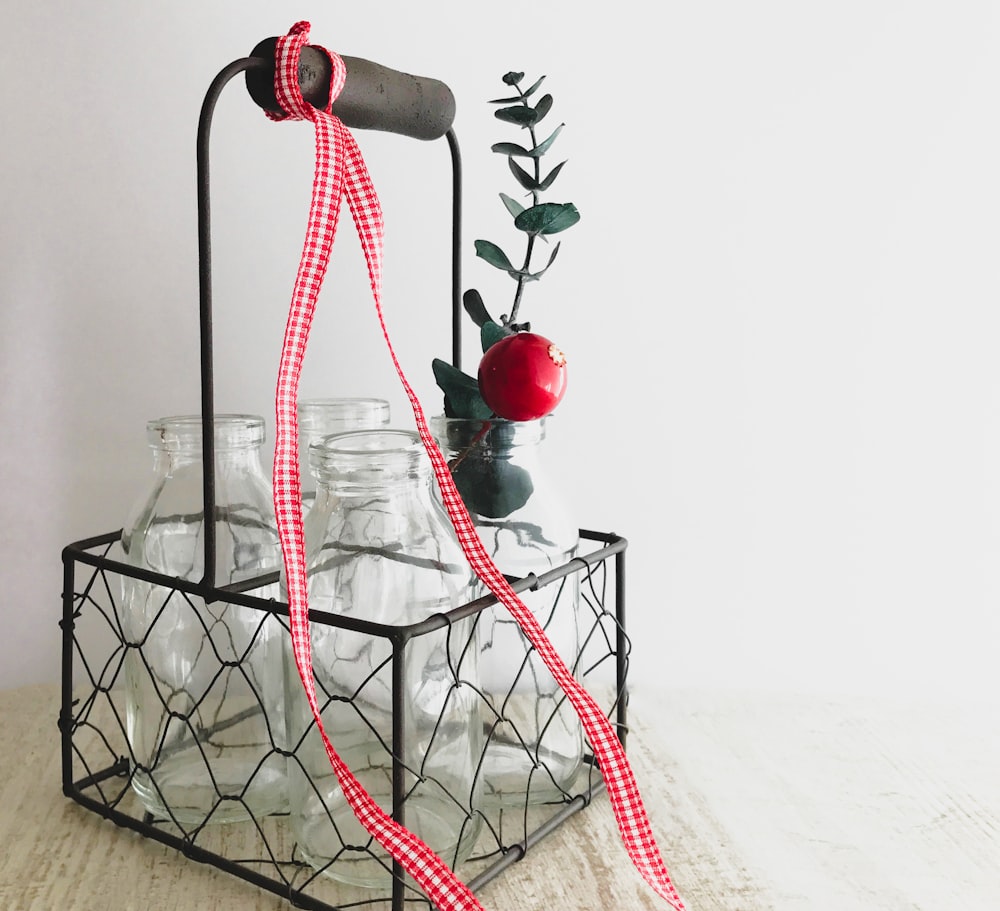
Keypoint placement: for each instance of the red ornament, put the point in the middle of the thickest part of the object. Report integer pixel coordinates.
(522, 377)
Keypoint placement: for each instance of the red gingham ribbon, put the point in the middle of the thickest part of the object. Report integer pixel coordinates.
(340, 171)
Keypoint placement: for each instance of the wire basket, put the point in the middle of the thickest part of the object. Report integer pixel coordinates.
(98, 765)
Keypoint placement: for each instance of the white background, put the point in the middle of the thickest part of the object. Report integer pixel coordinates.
(780, 305)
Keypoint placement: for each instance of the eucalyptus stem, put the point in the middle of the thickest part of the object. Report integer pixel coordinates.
(461, 457)
(521, 281)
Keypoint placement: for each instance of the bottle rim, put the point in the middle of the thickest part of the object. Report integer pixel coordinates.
(354, 412)
(184, 431)
(360, 452)
(501, 431)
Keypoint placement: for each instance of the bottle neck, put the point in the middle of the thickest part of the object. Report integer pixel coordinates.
(178, 451)
(322, 417)
(370, 463)
(181, 437)
(495, 435)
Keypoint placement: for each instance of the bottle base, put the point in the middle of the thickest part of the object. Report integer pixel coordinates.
(511, 778)
(181, 791)
(332, 840)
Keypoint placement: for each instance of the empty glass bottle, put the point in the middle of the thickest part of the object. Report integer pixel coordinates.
(195, 668)
(317, 418)
(320, 417)
(534, 739)
(382, 552)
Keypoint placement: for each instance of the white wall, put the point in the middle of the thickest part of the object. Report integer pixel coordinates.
(781, 305)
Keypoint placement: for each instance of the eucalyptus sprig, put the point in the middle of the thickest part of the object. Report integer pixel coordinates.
(536, 220)
(540, 219)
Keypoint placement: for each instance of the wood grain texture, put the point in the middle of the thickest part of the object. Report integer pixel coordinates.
(850, 804)
(758, 803)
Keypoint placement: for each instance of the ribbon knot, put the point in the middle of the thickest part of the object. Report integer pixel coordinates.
(286, 76)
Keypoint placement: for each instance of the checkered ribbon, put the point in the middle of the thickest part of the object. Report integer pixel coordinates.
(340, 171)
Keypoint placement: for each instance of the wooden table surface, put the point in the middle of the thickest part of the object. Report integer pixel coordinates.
(758, 802)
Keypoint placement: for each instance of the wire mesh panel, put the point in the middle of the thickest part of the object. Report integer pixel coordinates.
(106, 768)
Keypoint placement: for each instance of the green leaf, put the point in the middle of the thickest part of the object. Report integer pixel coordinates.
(461, 392)
(474, 306)
(520, 114)
(493, 488)
(534, 88)
(511, 148)
(523, 177)
(516, 98)
(525, 275)
(543, 107)
(512, 205)
(534, 276)
(551, 176)
(512, 78)
(491, 333)
(547, 218)
(539, 150)
(493, 254)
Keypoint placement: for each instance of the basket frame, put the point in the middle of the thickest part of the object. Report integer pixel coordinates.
(86, 564)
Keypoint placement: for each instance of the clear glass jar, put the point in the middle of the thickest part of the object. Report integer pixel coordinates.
(196, 670)
(381, 549)
(321, 417)
(534, 747)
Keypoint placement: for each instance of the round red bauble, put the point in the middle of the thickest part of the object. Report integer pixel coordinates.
(522, 377)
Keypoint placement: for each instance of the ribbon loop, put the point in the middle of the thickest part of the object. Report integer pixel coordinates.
(286, 76)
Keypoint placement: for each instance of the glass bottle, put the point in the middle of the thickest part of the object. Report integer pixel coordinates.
(320, 417)
(380, 549)
(196, 668)
(535, 743)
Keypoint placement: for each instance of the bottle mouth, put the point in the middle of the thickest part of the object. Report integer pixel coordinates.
(330, 415)
(185, 432)
(368, 457)
(494, 433)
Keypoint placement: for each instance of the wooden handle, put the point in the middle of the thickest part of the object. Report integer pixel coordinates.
(374, 97)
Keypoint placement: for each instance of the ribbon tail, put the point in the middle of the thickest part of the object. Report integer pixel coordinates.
(624, 794)
(336, 175)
